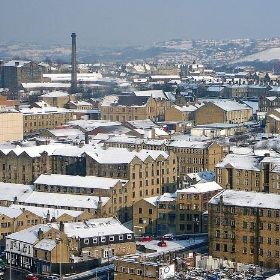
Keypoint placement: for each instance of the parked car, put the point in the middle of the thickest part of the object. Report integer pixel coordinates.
(167, 236)
(146, 238)
(31, 277)
(162, 243)
(52, 277)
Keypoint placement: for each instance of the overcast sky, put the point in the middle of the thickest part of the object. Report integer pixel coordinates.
(136, 22)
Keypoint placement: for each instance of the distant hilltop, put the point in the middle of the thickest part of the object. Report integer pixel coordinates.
(214, 52)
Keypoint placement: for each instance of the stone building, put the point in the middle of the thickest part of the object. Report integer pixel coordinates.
(40, 247)
(36, 120)
(273, 121)
(116, 190)
(269, 103)
(249, 173)
(14, 73)
(192, 156)
(129, 108)
(244, 228)
(148, 172)
(180, 113)
(223, 111)
(179, 213)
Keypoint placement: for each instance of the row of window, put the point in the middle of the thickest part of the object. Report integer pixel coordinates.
(111, 238)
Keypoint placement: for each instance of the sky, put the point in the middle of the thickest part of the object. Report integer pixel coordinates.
(136, 22)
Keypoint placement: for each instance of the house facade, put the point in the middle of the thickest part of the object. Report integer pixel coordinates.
(244, 228)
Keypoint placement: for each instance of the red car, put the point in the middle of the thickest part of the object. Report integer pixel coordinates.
(162, 243)
(31, 277)
(146, 238)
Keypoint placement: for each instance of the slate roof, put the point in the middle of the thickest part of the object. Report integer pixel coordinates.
(133, 100)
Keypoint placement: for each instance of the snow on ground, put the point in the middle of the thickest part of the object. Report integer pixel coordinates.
(266, 55)
(173, 245)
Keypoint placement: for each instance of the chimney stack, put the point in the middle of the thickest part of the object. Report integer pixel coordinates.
(74, 65)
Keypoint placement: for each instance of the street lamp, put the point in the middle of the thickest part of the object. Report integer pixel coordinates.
(58, 239)
(101, 232)
(10, 249)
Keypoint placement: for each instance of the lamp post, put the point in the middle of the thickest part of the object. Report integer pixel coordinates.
(101, 232)
(58, 239)
(10, 249)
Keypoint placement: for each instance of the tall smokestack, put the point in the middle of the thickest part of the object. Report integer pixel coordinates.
(74, 65)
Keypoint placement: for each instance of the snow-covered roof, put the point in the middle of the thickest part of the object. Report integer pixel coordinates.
(189, 108)
(153, 93)
(30, 235)
(43, 211)
(189, 144)
(154, 200)
(91, 182)
(33, 151)
(90, 228)
(12, 192)
(248, 199)
(55, 94)
(80, 103)
(14, 63)
(12, 213)
(46, 245)
(238, 161)
(112, 155)
(63, 200)
(230, 105)
(44, 110)
(201, 188)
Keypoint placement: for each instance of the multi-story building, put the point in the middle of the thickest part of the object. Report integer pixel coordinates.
(14, 73)
(235, 91)
(155, 215)
(223, 111)
(40, 119)
(178, 213)
(249, 173)
(192, 204)
(269, 103)
(11, 125)
(129, 108)
(273, 121)
(24, 165)
(244, 227)
(115, 189)
(192, 156)
(258, 91)
(149, 172)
